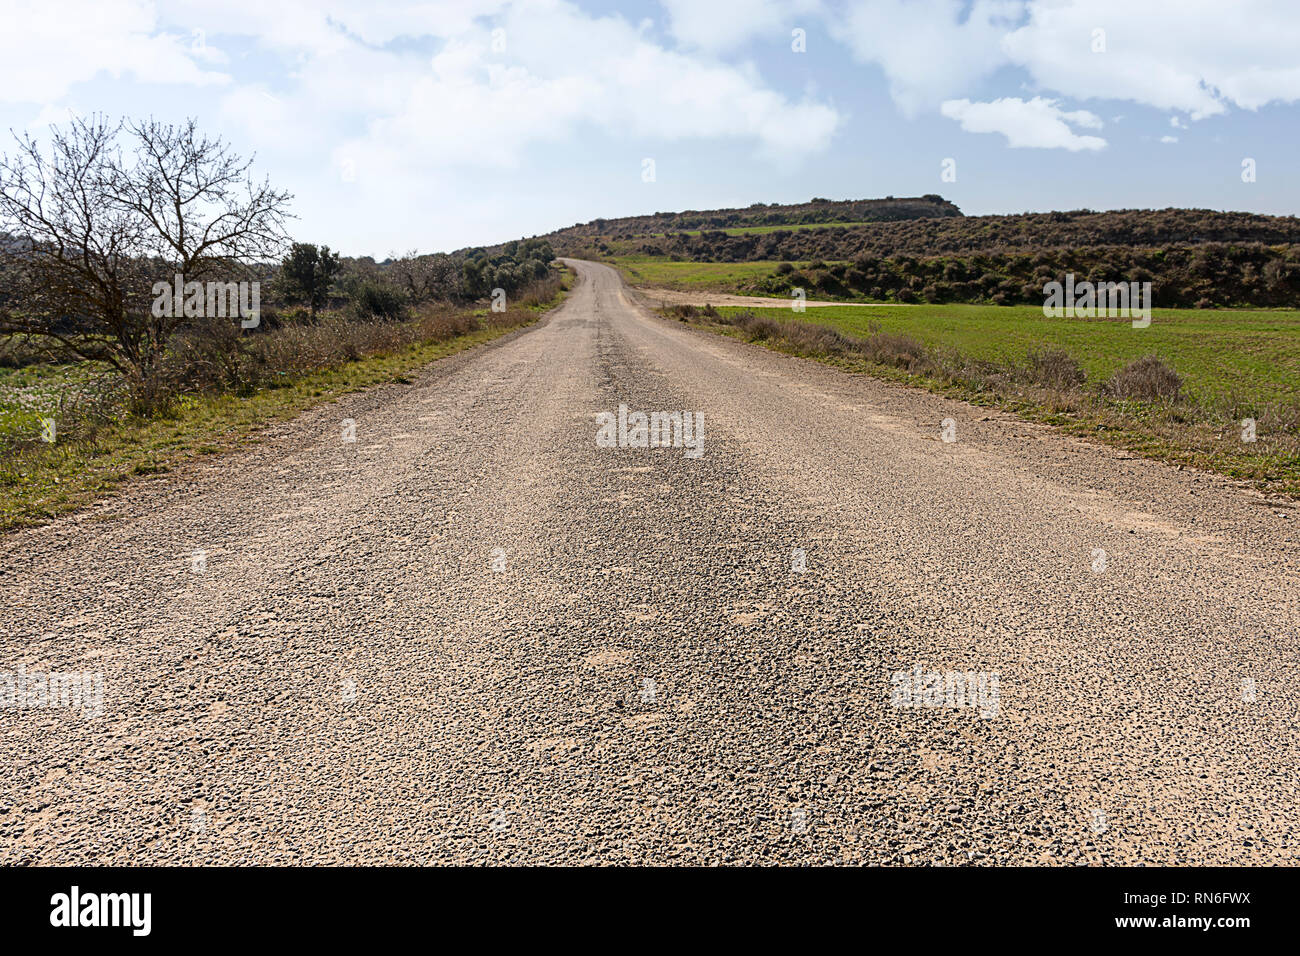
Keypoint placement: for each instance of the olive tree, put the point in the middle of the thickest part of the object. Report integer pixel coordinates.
(307, 273)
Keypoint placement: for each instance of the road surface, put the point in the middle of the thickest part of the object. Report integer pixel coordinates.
(477, 635)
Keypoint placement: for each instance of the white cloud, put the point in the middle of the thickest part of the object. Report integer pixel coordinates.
(342, 83)
(47, 46)
(930, 50)
(1037, 123)
(323, 27)
(1196, 56)
(52, 116)
(722, 25)
(1168, 139)
(562, 74)
(414, 96)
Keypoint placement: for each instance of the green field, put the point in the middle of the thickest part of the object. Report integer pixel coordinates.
(1228, 358)
(1233, 365)
(1224, 356)
(663, 273)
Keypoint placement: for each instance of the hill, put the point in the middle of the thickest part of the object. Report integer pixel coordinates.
(924, 249)
(758, 215)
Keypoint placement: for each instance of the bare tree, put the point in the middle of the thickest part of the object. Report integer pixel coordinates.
(204, 213)
(91, 231)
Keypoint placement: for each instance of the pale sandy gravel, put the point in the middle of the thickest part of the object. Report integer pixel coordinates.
(501, 717)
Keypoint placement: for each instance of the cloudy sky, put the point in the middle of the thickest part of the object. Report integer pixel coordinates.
(437, 125)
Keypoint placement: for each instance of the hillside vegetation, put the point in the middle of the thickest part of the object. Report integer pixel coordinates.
(1192, 257)
(813, 212)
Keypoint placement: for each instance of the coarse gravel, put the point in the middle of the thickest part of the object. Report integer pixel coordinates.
(358, 675)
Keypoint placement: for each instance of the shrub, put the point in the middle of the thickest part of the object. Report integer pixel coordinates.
(816, 339)
(757, 327)
(371, 300)
(1148, 378)
(289, 315)
(891, 348)
(1055, 368)
(442, 325)
(540, 291)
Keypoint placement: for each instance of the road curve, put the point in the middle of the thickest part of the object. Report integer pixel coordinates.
(638, 675)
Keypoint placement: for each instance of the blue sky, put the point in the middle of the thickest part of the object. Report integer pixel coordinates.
(432, 126)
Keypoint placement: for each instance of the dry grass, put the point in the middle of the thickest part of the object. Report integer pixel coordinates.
(881, 348)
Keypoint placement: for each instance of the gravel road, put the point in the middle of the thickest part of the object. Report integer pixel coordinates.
(640, 674)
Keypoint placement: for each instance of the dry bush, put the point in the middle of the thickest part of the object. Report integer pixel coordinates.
(1282, 418)
(540, 291)
(223, 359)
(759, 327)
(1148, 378)
(86, 407)
(213, 355)
(817, 339)
(442, 322)
(1054, 368)
(895, 349)
(982, 375)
